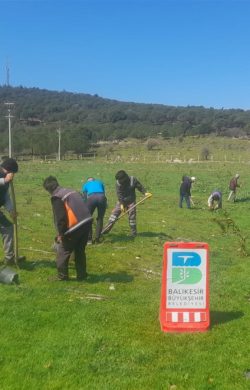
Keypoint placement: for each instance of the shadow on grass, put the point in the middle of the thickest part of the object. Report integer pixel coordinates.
(119, 237)
(31, 265)
(152, 234)
(246, 199)
(120, 277)
(110, 277)
(221, 317)
(124, 238)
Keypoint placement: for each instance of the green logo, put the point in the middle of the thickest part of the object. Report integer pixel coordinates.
(186, 275)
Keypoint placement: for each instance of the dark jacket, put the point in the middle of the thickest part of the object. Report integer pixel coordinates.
(216, 195)
(70, 211)
(233, 184)
(126, 191)
(4, 196)
(185, 188)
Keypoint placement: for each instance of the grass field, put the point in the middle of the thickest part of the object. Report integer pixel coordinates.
(58, 335)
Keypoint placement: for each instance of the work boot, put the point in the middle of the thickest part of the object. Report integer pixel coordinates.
(10, 262)
(80, 278)
(133, 233)
(21, 259)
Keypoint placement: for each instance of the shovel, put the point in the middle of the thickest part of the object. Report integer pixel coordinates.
(126, 212)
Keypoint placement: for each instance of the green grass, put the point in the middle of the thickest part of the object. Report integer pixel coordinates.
(54, 335)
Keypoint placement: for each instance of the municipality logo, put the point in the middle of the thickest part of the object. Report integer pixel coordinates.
(184, 267)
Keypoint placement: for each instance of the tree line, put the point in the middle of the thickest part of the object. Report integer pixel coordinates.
(84, 119)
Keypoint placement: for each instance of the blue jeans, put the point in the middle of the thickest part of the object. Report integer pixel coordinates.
(187, 199)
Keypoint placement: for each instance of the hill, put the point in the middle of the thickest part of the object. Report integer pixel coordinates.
(85, 119)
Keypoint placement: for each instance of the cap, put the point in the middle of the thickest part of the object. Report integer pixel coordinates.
(122, 177)
(237, 176)
(192, 178)
(10, 165)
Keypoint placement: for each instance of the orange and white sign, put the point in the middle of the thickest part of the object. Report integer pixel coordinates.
(185, 289)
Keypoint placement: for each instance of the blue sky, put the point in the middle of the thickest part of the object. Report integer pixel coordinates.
(173, 52)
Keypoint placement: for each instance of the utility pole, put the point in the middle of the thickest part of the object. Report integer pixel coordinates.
(59, 143)
(9, 116)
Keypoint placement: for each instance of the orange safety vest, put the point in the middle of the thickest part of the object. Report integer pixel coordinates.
(76, 210)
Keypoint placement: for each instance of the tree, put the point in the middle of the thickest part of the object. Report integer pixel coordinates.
(205, 152)
(77, 140)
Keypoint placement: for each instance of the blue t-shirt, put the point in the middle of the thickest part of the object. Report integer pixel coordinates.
(93, 187)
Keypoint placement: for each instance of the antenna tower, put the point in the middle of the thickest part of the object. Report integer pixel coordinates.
(7, 75)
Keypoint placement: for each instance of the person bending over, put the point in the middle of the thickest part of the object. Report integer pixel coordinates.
(94, 193)
(73, 222)
(126, 187)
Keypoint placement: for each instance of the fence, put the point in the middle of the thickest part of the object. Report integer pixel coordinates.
(54, 157)
(140, 157)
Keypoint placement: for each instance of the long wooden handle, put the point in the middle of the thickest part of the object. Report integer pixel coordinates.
(133, 207)
(126, 212)
(13, 198)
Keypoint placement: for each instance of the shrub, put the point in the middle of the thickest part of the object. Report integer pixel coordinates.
(152, 143)
(205, 152)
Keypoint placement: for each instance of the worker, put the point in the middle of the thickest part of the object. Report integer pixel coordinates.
(215, 200)
(94, 193)
(185, 190)
(125, 190)
(8, 168)
(233, 184)
(73, 222)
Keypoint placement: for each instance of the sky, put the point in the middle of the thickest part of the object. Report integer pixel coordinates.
(171, 52)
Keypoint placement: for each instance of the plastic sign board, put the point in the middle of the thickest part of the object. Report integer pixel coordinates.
(185, 289)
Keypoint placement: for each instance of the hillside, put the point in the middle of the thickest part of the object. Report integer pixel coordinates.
(85, 119)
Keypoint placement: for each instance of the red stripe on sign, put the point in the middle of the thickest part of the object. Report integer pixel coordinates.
(180, 317)
(203, 316)
(191, 317)
(169, 317)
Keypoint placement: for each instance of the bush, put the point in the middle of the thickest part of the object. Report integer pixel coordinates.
(152, 143)
(205, 153)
